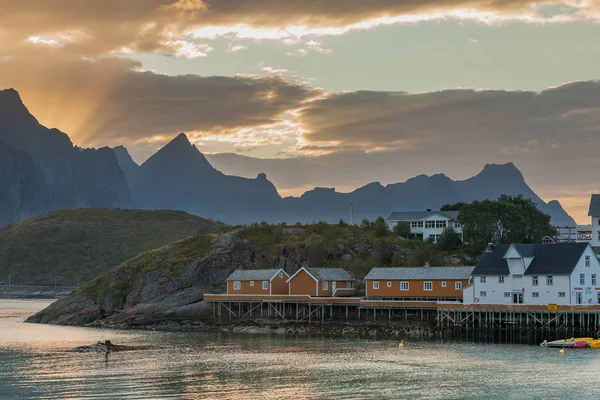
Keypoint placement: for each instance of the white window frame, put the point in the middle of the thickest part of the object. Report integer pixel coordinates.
(562, 294)
(429, 224)
(426, 285)
(375, 285)
(458, 285)
(389, 284)
(348, 284)
(507, 294)
(265, 285)
(593, 279)
(251, 283)
(550, 280)
(237, 285)
(325, 285)
(587, 261)
(281, 274)
(402, 285)
(535, 281)
(500, 279)
(443, 283)
(482, 279)
(535, 295)
(582, 279)
(483, 293)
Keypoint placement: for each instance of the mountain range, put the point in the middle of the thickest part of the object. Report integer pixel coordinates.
(41, 170)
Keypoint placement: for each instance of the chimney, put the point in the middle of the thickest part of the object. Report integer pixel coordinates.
(429, 210)
(489, 248)
(426, 264)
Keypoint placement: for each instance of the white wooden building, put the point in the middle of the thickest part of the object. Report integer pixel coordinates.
(539, 274)
(427, 223)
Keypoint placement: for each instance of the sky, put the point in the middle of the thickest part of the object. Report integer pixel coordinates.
(323, 93)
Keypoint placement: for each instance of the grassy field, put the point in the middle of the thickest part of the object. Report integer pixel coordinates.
(74, 246)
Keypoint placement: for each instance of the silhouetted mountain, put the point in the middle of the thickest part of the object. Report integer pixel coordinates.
(179, 177)
(23, 190)
(73, 177)
(128, 166)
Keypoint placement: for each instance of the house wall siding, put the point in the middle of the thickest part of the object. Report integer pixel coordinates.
(302, 284)
(279, 285)
(415, 288)
(245, 288)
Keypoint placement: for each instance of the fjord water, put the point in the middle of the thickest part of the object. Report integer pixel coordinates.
(35, 364)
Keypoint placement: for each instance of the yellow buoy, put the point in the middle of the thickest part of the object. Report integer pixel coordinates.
(562, 351)
(401, 345)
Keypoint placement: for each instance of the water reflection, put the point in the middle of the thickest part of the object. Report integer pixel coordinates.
(34, 364)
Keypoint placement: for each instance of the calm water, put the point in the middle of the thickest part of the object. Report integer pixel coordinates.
(34, 364)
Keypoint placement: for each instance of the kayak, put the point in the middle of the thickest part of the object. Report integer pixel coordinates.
(573, 343)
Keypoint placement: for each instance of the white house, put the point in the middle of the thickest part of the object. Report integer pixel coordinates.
(427, 223)
(594, 214)
(539, 274)
(583, 233)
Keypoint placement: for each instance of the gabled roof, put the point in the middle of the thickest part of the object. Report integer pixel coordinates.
(254, 274)
(594, 206)
(326, 274)
(420, 273)
(419, 215)
(548, 259)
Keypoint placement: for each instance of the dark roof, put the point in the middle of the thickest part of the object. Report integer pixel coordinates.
(252, 274)
(419, 215)
(420, 273)
(548, 259)
(330, 274)
(594, 206)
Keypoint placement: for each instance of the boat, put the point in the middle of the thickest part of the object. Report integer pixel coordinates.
(573, 343)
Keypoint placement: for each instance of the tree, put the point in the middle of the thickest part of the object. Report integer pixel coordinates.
(316, 255)
(453, 207)
(402, 228)
(510, 219)
(380, 227)
(449, 239)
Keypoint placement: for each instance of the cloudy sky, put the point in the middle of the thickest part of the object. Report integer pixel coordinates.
(323, 93)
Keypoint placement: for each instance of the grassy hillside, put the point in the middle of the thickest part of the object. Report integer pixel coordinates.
(78, 245)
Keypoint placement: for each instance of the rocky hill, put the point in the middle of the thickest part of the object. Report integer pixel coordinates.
(65, 247)
(165, 286)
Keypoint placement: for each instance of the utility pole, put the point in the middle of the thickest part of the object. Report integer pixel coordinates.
(351, 214)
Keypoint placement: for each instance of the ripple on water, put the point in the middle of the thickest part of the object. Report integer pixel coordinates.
(34, 364)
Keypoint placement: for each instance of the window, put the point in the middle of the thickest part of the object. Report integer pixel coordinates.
(251, 283)
(500, 279)
(593, 279)
(456, 224)
(482, 294)
(375, 285)
(534, 281)
(429, 224)
(237, 285)
(561, 294)
(549, 280)
(535, 294)
(403, 285)
(482, 279)
(587, 261)
(443, 283)
(427, 286)
(441, 224)
(349, 285)
(458, 285)
(325, 285)
(582, 279)
(506, 294)
(389, 283)
(281, 274)
(416, 224)
(265, 285)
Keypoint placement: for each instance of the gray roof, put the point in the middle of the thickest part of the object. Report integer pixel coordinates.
(330, 274)
(252, 274)
(594, 206)
(548, 259)
(420, 273)
(419, 215)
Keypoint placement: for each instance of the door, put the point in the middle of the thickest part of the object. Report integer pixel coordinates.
(578, 297)
(517, 298)
(333, 286)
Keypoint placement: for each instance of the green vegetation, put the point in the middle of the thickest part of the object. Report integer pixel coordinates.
(506, 220)
(449, 239)
(78, 245)
(402, 229)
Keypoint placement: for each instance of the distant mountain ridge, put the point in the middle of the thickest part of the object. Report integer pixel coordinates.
(41, 170)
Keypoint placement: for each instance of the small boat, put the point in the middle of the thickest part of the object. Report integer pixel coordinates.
(573, 343)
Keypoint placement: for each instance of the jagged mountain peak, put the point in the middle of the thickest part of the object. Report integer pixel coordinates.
(13, 109)
(181, 153)
(501, 171)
